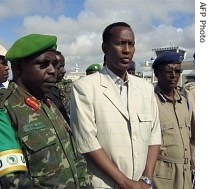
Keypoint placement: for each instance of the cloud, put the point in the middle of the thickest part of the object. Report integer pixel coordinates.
(156, 23)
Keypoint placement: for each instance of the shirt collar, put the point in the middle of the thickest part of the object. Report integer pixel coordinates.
(116, 78)
(164, 98)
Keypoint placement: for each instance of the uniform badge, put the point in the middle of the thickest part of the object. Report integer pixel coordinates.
(32, 102)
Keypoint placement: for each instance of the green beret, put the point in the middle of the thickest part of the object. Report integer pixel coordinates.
(93, 67)
(29, 45)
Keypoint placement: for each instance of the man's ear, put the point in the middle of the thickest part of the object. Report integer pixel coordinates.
(104, 48)
(155, 72)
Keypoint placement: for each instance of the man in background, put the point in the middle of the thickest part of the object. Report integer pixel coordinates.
(4, 68)
(58, 92)
(132, 68)
(93, 68)
(189, 91)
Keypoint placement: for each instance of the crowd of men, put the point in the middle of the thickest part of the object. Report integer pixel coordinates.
(109, 129)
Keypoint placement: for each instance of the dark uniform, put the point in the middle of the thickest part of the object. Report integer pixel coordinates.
(65, 90)
(55, 96)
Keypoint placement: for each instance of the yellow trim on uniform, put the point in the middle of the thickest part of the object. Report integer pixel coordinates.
(13, 169)
(6, 152)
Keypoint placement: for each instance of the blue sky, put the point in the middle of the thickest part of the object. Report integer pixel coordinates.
(79, 24)
(68, 8)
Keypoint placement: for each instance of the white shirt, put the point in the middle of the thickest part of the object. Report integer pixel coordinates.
(4, 85)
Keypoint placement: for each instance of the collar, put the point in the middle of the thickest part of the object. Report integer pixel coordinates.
(164, 98)
(117, 80)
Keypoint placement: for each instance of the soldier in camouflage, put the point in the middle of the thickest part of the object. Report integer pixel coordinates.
(60, 93)
(47, 156)
(65, 86)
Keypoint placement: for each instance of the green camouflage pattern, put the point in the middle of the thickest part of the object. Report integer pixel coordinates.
(48, 146)
(65, 88)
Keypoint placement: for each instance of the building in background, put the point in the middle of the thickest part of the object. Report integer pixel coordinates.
(145, 70)
(188, 74)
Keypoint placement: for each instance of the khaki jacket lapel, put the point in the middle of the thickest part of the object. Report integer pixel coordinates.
(133, 95)
(111, 92)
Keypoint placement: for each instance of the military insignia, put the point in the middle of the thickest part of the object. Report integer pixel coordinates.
(11, 161)
(33, 126)
(190, 86)
(48, 102)
(32, 102)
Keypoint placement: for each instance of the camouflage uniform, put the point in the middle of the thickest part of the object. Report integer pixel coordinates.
(65, 87)
(47, 144)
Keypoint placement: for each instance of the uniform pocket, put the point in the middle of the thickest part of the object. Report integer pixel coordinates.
(163, 170)
(144, 126)
(42, 153)
(168, 134)
(38, 140)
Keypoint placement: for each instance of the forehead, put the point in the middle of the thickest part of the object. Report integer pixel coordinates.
(46, 55)
(122, 32)
(60, 58)
(170, 65)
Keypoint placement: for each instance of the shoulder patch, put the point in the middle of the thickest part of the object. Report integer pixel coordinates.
(190, 86)
(12, 161)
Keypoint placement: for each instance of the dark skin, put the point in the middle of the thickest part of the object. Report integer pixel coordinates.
(91, 72)
(168, 81)
(60, 67)
(119, 51)
(4, 70)
(38, 74)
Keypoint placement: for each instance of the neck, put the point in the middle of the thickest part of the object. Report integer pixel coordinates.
(168, 92)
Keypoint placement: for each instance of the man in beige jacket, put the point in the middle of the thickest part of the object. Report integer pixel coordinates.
(114, 116)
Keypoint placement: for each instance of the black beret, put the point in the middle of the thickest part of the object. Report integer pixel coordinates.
(29, 45)
(168, 57)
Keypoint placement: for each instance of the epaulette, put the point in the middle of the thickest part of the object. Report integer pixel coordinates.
(190, 86)
(4, 94)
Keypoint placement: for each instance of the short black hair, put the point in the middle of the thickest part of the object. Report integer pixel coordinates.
(107, 31)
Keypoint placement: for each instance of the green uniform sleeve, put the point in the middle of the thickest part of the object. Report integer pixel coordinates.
(7, 135)
(11, 156)
(13, 170)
